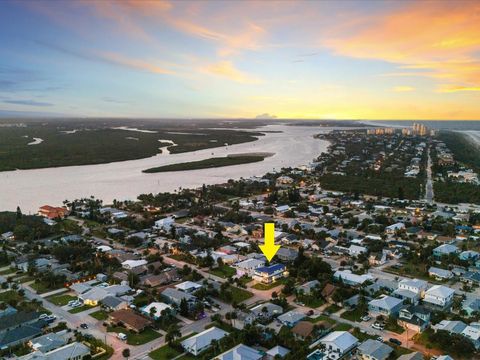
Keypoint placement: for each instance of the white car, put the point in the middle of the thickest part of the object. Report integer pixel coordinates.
(122, 336)
(378, 326)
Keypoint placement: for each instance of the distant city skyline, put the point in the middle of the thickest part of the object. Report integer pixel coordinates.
(241, 59)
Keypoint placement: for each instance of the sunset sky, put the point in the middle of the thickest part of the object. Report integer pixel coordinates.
(208, 59)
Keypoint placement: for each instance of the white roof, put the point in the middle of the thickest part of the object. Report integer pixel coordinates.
(471, 332)
(240, 352)
(278, 350)
(202, 340)
(349, 276)
(104, 248)
(386, 302)
(291, 317)
(342, 339)
(250, 264)
(356, 248)
(158, 306)
(187, 285)
(440, 291)
(130, 264)
(95, 294)
(414, 283)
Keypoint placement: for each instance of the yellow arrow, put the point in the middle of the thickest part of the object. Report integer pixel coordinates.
(269, 249)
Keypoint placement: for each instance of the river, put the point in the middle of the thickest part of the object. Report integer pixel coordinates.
(123, 180)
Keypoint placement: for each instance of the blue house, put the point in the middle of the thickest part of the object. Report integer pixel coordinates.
(269, 274)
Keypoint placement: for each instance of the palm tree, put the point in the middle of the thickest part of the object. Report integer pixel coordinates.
(173, 332)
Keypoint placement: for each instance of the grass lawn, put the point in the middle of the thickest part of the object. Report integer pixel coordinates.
(41, 288)
(332, 309)
(353, 315)
(313, 302)
(362, 336)
(99, 315)
(342, 327)
(394, 328)
(419, 271)
(244, 280)
(10, 295)
(80, 309)
(164, 353)
(61, 300)
(25, 279)
(238, 295)
(224, 272)
(261, 286)
(136, 339)
(321, 318)
(183, 257)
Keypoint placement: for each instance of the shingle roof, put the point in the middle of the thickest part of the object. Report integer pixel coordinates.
(16, 319)
(375, 349)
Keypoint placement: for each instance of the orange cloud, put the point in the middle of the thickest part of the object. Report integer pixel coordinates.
(455, 88)
(442, 38)
(227, 70)
(136, 64)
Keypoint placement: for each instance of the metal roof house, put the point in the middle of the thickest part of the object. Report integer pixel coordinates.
(240, 352)
(374, 350)
(202, 341)
(269, 274)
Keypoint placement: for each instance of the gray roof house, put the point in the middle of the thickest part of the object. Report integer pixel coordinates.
(308, 287)
(72, 351)
(196, 344)
(454, 327)
(114, 303)
(51, 341)
(291, 318)
(385, 305)
(374, 350)
(412, 356)
(287, 254)
(266, 310)
(175, 296)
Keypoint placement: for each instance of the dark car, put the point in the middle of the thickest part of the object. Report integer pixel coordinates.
(84, 326)
(395, 341)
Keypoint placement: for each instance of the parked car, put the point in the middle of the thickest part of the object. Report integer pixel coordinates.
(84, 326)
(395, 341)
(380, 339)
(366, 318)
(378, 326)
(122, 336)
